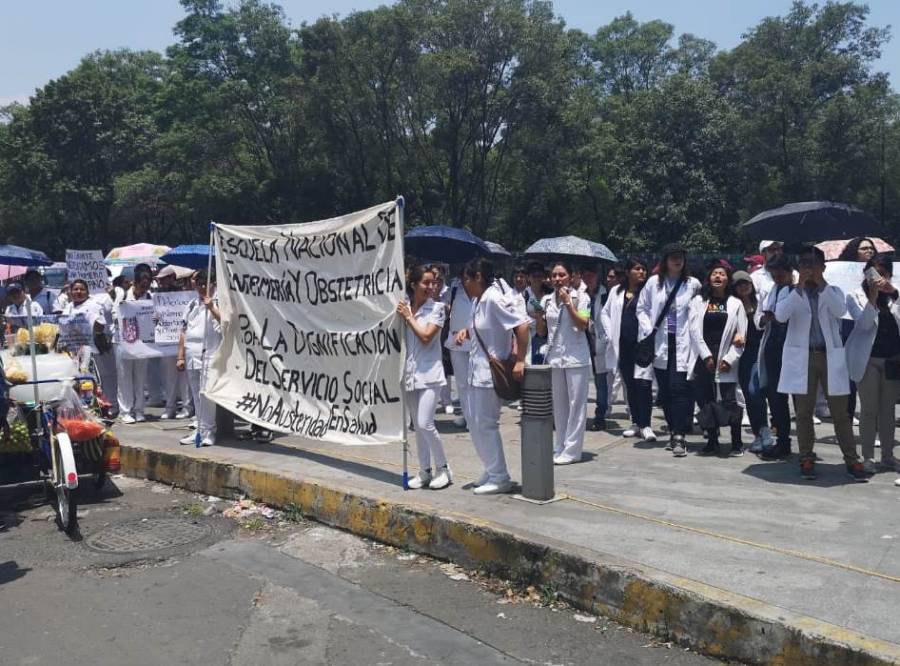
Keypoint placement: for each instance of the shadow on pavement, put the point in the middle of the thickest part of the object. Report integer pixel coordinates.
(829, 475)
(10, 571)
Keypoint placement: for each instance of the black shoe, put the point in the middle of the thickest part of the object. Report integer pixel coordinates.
(777, 452)
(671, 444)
(597, 425)
(737, 449)
(711, 449)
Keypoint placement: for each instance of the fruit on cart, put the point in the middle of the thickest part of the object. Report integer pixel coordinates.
(80, 430)
(18, 441)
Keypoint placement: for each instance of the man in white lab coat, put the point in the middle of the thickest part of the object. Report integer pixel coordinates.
(814, 355)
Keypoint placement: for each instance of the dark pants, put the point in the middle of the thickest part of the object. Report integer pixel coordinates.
(755, 399)
(705, 391)
(602, 386)
(778, 402)
(846, 329)
(638, 392)
(675, 394)
(537, 341)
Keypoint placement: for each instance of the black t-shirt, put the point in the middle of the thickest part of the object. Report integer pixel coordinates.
(628, 329)
(714, 324)
(887, 339)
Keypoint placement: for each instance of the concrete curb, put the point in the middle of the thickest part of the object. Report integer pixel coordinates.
(713, 621)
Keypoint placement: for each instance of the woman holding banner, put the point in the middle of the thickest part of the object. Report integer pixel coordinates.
(101, 349)
(423, 376)
(199, 340)
(496, 316)
(133, 371)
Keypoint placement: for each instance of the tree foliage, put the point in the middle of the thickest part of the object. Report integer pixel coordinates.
(486, 114)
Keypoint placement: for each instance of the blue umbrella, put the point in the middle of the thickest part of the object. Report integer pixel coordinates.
(13, 255)
(571, 246)
(442, 243)
(188, 256)
(811, 222)
(497, 250)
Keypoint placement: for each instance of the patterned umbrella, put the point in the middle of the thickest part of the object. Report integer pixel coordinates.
(834, 248)
(140, 253)
(571, 246)
(497, 250)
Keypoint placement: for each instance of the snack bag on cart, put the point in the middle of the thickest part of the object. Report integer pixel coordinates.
(75, 420)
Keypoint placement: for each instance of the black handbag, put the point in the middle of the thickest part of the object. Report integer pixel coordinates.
(718, 414)
(645, 351)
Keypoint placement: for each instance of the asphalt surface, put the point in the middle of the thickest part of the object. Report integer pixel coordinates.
(265, 591)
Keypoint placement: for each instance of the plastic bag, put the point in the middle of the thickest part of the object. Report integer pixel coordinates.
(76, 421)
(18, 441)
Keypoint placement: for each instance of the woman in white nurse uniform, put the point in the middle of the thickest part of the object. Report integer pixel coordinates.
(566, 314)
(423, 376)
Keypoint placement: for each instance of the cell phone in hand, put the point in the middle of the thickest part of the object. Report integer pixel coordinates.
(872, 274)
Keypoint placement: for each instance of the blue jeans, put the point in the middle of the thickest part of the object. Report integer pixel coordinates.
(748, 377)
(602, 386)
(675, 394)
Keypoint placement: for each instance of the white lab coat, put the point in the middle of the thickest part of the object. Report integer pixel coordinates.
(610, 318)
(859, 344)
(650, 304)
(795, 310)
(736, 324)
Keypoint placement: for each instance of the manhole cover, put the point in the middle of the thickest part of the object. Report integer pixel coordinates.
(148, 534)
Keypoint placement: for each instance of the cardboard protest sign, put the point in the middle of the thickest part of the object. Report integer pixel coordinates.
(310, 338)
(170, 308)
(87, 265)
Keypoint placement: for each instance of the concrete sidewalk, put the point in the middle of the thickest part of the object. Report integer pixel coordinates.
(734, 556)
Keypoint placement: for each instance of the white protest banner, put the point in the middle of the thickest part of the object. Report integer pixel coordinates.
(87, 265)
(848, 275)
(136, 331)
(311, 343)
(171, 308)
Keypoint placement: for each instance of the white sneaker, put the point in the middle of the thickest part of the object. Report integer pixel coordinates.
(209, 440)
(757, 444)
(165, 416)
(183, 414)
(494, 488)
(442, 480)
(565, 460)
(420, 480)
(869, 466)
(459, 422)
(855, 421)
(127, 419)
(193, 424)
(632, 431)
(483, 479)
(768, 439)
(140, 418)
(448, 410)
(188, 439)
(817, 420)
(648, 435)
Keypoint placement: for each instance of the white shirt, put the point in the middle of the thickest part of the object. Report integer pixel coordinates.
(494, 315)
(424, 367)
(460, 315)
(46, 299)
(17, 315)
(194, 322)
(567, 345)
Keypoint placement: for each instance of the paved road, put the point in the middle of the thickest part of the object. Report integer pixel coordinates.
(282, 593)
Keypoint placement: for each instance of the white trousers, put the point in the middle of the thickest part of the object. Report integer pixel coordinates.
(570, 395)
(132, 381)
(484, 426)
(176, 386)
(204, 409)
(460, 362)
(109, 377)
(421, 404)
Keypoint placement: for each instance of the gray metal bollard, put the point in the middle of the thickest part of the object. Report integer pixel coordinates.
(537, 434)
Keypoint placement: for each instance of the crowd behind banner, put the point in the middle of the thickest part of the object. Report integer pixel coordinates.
(712, 349)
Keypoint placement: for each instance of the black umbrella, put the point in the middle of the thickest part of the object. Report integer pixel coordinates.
(441, 243)
(811, 222)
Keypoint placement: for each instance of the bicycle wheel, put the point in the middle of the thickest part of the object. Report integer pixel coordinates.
(66, 505)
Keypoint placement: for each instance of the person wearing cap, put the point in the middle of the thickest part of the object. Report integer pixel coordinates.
(762, 279)
(17, 310)
(814, 356)
(34, 285)
(671, 362)
(748, 370)
(754, 262)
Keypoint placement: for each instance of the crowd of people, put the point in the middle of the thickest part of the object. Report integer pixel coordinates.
(129, 385)
(725, 349)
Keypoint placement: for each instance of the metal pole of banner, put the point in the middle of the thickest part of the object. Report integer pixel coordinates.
(401, 204)
(198, 409)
